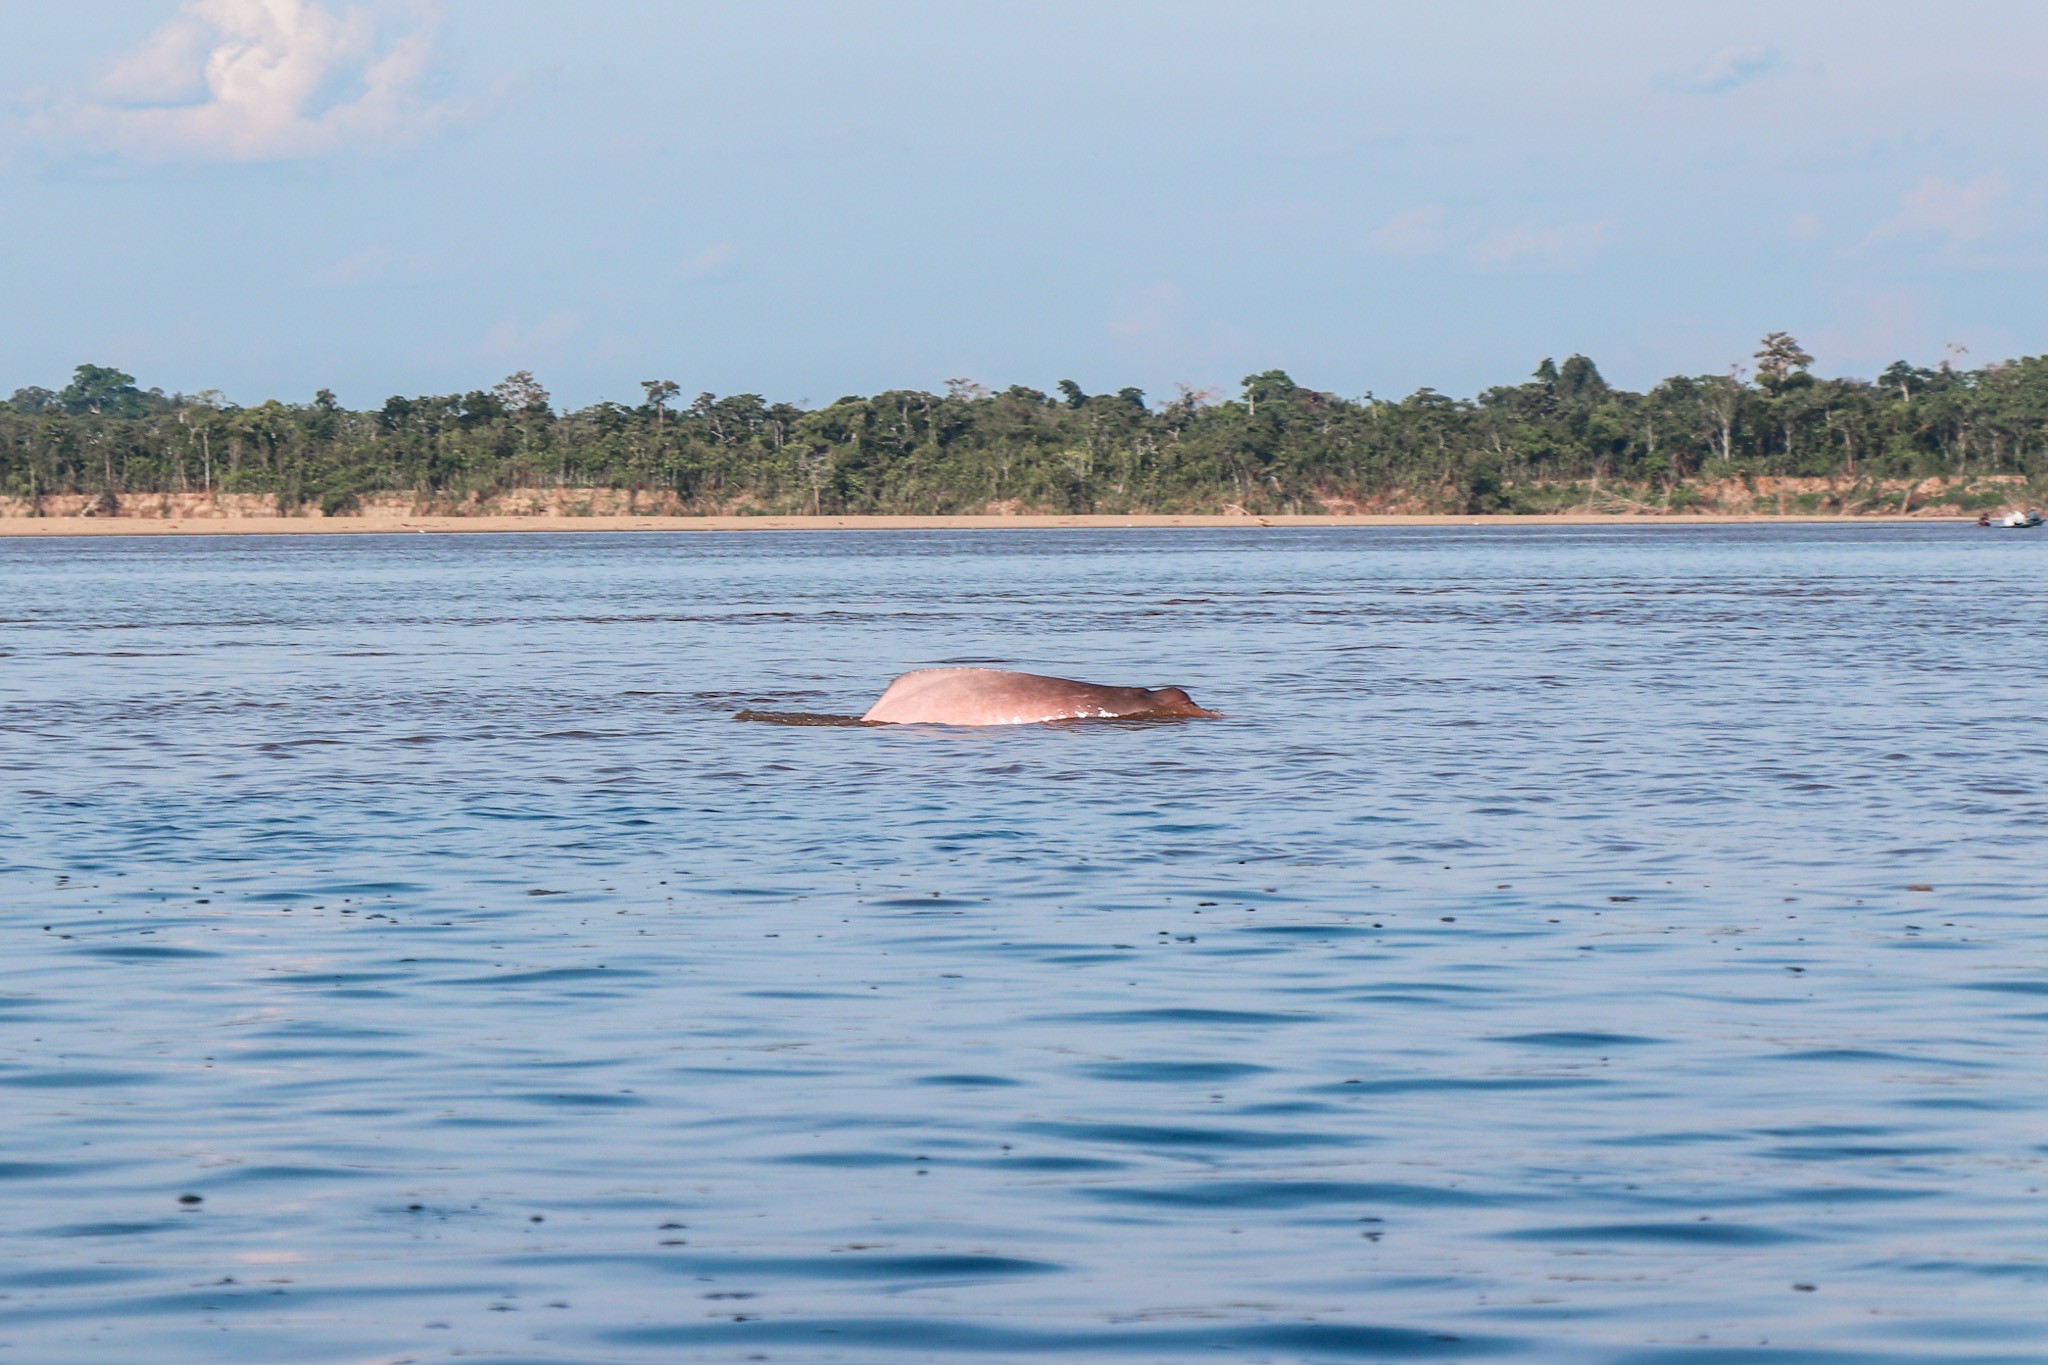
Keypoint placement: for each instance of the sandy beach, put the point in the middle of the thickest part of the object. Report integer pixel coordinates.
(425, 525)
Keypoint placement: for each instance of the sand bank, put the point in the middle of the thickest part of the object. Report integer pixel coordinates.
(407, 525)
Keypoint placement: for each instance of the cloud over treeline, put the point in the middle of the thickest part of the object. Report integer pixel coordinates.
(262, 80)
(1731, 69)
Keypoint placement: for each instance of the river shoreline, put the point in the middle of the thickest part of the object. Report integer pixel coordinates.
(436, 525)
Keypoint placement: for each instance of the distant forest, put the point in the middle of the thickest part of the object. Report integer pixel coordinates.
(1276, 446)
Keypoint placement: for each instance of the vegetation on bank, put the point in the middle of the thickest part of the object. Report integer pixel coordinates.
(1562, 439)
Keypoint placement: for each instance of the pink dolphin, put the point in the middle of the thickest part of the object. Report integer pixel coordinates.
(995, 696)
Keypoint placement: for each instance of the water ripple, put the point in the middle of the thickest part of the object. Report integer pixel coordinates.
(1603, 946)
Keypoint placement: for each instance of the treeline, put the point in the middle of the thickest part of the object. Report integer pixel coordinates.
(1274, 447)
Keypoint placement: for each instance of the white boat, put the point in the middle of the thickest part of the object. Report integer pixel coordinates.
(2021, 521)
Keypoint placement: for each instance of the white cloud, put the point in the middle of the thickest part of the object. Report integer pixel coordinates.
(1267, 213)
(1413, 233)
(371, 265)
(1729, 69)
(170, 68)
(1870, 327)
(260, 80)
(1149, 313)
(1569, 246)
(515, 343)
(1153, 325)
(1959, 213)
(709, 261)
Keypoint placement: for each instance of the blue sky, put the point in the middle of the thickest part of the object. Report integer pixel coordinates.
(808, 199)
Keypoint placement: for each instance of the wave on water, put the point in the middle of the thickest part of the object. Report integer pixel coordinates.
(1596, 946)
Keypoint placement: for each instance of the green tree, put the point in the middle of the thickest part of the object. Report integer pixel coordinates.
(1779, 358)
(103, 390)
(523, 395)
(1564, 437)
(1579, 377)
(659, 392)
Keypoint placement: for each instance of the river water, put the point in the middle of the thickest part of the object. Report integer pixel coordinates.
(1576, 944)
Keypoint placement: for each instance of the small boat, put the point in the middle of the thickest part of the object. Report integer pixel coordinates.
(2021, 521)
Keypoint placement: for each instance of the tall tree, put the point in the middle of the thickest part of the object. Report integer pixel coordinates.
(104, 390)
(523, 396)
(659, 391)
(1778, 358)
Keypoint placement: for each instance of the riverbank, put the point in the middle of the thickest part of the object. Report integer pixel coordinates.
(428, 525)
